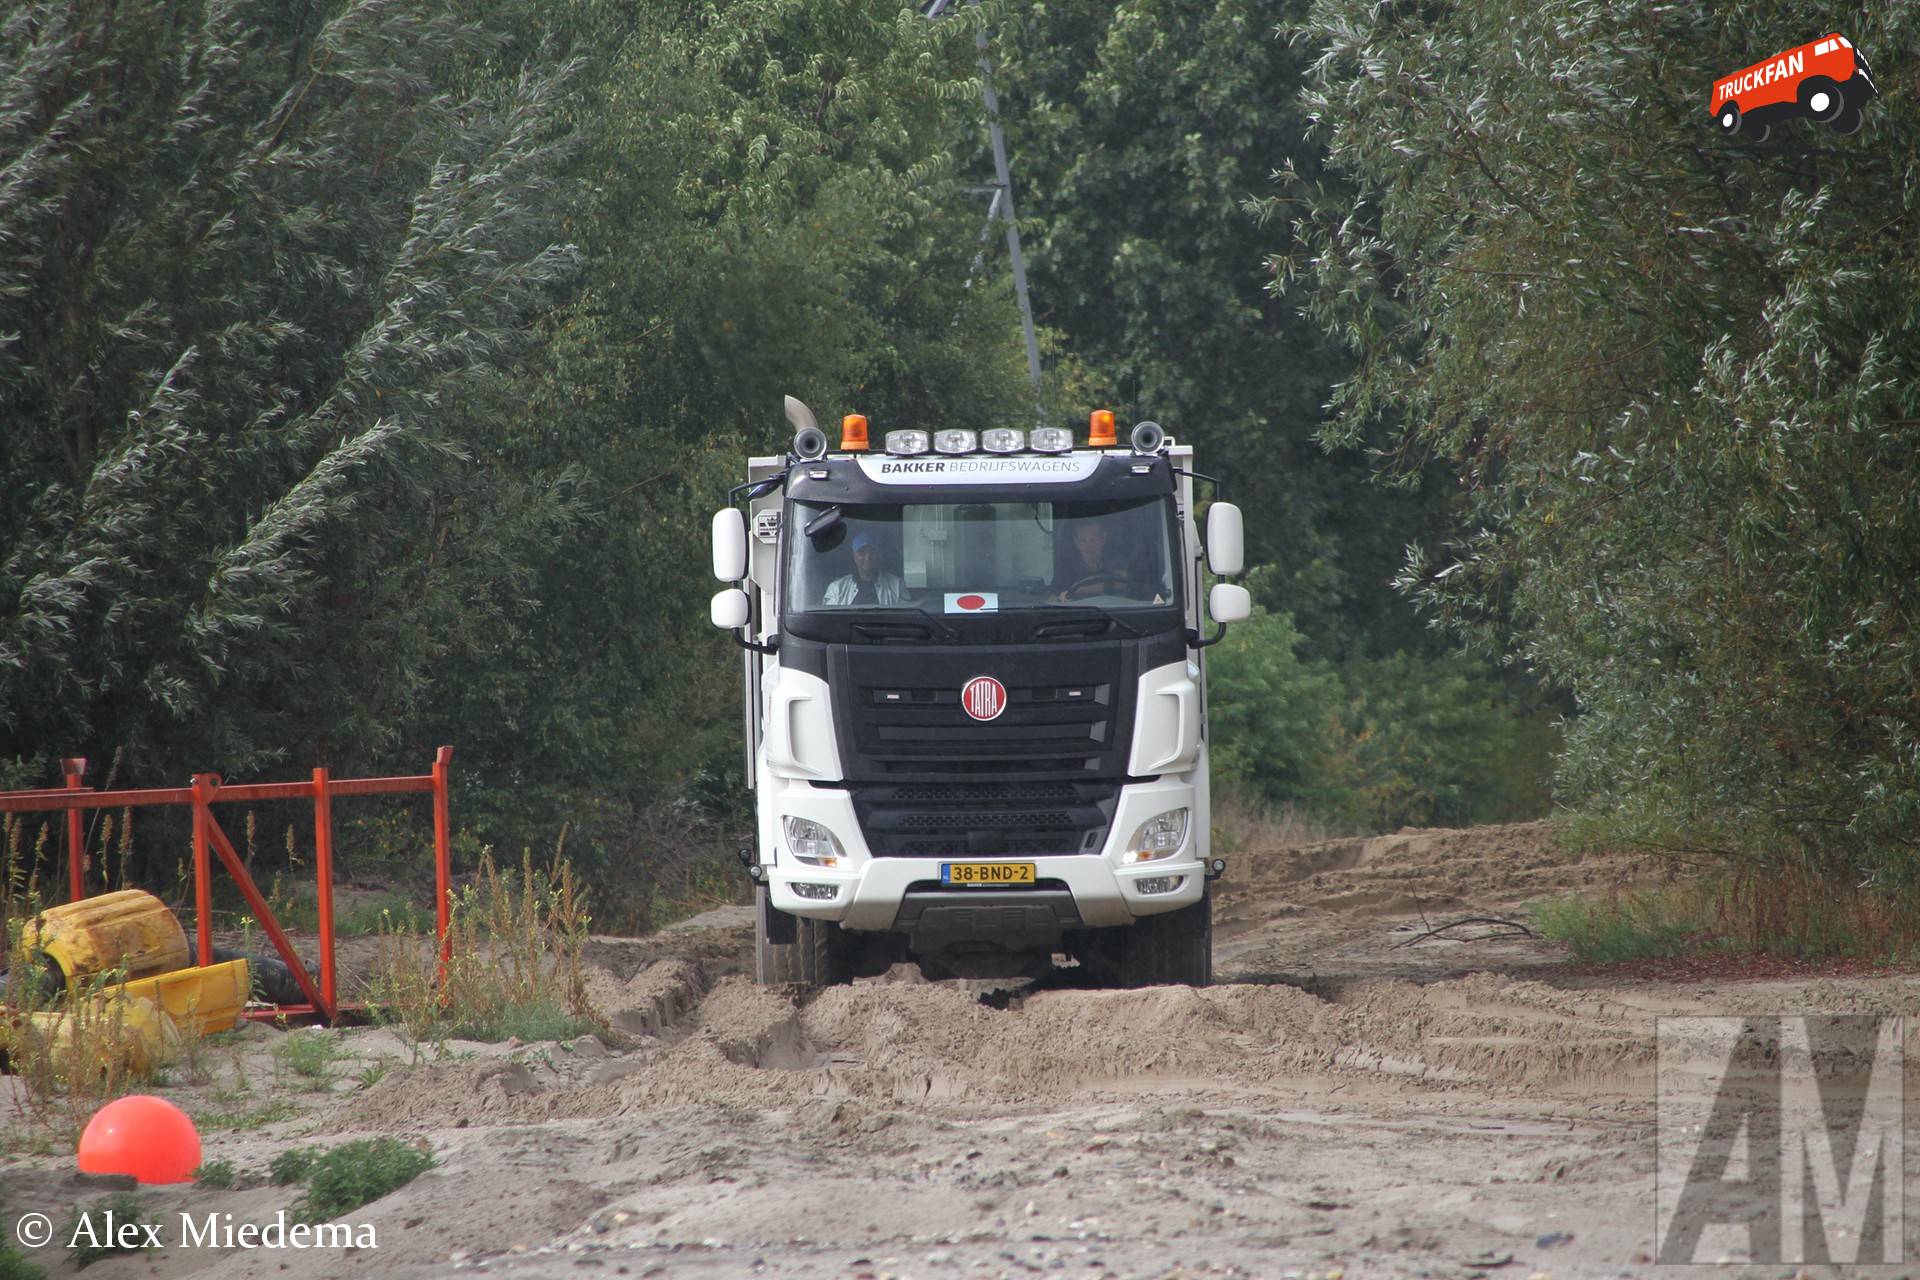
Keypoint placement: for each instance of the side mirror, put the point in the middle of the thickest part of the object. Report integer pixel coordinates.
(1228, 602)
(730, 545)
(730, 609)
(1226, 541)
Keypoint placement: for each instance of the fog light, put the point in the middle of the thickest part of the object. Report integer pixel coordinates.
(812, 843)
(954, 440)
(906, 443)
(1152, 884)
(1050, 440)
(817, 892)
(1158, 838)
(1002, 439)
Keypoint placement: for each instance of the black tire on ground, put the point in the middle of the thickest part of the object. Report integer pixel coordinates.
(1821, 98)
(1172, 948)
(819, 955)
(269, 976)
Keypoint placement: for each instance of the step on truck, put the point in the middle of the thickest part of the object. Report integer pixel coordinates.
(976, 717)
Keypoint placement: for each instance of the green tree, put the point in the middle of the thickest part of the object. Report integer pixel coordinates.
(1676, 373)
(261, 273)
(1140, 131)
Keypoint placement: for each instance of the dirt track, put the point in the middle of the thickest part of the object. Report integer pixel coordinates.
(1353, 1098)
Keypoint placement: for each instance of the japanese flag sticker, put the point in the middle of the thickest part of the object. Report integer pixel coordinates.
(973, 602)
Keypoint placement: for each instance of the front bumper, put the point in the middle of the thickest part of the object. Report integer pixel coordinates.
(869, 891)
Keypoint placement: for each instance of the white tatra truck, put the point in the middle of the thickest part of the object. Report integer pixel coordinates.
(976, 700)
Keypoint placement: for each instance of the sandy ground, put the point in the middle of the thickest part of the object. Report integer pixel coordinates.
(1358, 1097)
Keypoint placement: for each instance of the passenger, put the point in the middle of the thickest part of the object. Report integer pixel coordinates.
(868, 583)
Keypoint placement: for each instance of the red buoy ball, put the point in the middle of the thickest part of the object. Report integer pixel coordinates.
(145, 1136)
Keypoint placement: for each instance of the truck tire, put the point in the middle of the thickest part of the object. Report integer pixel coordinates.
(1172, 947)
(819, 954)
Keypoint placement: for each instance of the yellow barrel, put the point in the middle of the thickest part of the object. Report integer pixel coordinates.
(130, 930)
(128, 1033)
(200, 1001)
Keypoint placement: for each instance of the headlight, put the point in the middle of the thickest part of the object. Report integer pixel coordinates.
(1050, 440)
(955, 440)
(1157, 838)
(812, 843)
(907, 443)
(1002, 439)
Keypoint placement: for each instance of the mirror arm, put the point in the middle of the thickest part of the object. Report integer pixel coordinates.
(1196, 641)
(771, 646)
(1219, 486)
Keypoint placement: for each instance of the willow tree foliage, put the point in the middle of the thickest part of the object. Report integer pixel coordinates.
(1677, 373)
(258, 267)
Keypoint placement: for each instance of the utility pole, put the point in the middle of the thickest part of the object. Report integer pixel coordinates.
(1002, 204)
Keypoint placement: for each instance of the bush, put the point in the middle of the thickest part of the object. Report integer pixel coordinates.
(1373, 744)
(356, 1173)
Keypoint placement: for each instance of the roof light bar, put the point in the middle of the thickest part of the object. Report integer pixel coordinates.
(907, 443)
(955, 440)
(1050, 439)
(1003, 439)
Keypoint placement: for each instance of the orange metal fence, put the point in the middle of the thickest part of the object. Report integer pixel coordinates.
(209, 840)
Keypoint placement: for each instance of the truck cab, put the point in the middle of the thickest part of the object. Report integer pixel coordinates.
(976, 724)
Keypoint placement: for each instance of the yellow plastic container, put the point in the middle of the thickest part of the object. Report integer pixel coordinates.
(130, 1033)
(200, 1001)
(130, 930)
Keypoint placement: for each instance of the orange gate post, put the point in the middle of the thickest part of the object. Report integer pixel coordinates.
(442, 857)
(203, 785)
(75, 768)
(323, 873)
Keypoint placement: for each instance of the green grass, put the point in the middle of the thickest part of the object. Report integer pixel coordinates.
(1636, 926)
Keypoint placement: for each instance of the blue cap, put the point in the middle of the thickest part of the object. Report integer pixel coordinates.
(862, 540)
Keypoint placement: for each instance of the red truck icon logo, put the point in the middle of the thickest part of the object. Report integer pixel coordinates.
(1826, 79)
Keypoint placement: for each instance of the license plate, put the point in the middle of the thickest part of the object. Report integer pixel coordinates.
(986, 873)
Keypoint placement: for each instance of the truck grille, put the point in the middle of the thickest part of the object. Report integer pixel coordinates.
(957, 820)
(1067, 717)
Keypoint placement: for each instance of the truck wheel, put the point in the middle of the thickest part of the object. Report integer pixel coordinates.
(1821, 98)
(791, 950)
(1172, 948)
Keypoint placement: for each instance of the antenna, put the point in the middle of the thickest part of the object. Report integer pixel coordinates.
(1002, 202)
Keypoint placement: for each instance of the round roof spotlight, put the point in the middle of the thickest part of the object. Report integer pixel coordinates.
(1148, 437)
(809, 443)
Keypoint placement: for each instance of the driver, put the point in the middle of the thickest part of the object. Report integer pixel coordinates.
(868, 583)
(1091, 568)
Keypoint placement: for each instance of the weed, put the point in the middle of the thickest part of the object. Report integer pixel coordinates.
(14, 1265)
(352, 1174)
(513, 964)
(108, 1226)
(374, 1072)
(310, 1055)
(292, 1165)
(216, 1173)
(250, 1118)
(75, 1050)
(1642, 925)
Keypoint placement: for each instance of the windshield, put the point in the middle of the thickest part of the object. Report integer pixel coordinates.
(979, 557)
